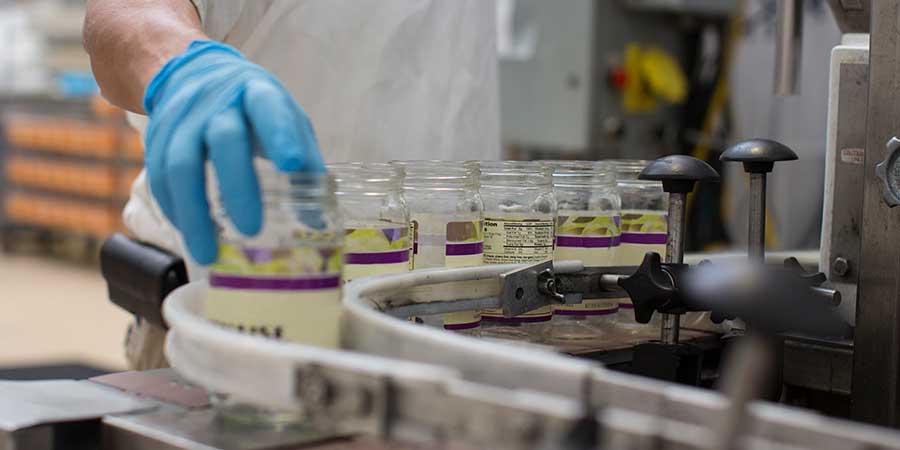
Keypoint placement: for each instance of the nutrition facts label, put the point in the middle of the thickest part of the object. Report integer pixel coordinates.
(517, 241)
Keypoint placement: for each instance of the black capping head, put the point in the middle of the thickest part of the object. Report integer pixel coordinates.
(678, 173)
(758, 155)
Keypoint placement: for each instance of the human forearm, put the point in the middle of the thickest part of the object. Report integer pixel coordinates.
(130, 40)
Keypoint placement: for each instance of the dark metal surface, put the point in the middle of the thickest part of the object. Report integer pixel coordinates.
(876, 365)
(675, 249)
(820, 364)
(758, 150)
(852, 16)
(849, 174)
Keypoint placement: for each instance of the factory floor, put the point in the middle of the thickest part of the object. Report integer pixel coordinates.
(57, 312)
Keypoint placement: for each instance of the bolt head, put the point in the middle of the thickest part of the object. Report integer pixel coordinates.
(840, 267)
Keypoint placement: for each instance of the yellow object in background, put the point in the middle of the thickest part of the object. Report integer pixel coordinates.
(663, 74)
(653, 76)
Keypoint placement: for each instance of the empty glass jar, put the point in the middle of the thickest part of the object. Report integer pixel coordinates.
(446, 215)
(376, 219)
(587, 230)
(283, 283)
(644, 226)
(519, 224)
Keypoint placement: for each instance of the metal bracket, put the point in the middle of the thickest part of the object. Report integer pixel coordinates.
(401, 407)
(527, 289)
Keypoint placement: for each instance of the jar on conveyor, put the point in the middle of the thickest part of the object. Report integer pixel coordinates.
(285, 282)
(519, 225)
(644, 226)
(587, 229)
(446, 216)
(377, 239)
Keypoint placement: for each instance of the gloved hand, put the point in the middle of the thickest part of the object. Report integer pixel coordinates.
(210, 102)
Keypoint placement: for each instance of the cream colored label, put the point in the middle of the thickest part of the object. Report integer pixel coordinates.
(633, 254)
(463, 237)
(464, 260)
(590, 307)
(593, 240)
(354, 271)
(311, 317)
(642, 232)
(375, 251)
(509, 241)
(282, 293)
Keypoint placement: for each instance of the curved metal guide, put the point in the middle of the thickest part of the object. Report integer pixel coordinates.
(395, 379)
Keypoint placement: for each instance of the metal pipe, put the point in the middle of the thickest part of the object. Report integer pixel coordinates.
(788, 46)
(674, 254)
(756, 238)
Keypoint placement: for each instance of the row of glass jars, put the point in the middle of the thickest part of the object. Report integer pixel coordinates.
(426, 214)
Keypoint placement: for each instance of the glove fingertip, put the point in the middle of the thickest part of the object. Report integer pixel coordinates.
(248, 221)
(204, 249)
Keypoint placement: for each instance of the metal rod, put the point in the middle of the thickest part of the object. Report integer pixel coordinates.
(788, 46)
(756, 238)
(610, 282)
(745, 377)
(427, 309)
(674, 254)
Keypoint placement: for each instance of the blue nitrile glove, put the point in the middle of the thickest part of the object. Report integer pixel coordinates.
(210, 102)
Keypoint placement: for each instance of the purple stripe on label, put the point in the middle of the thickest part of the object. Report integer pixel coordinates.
(399, 256)
(626, 306)
(644, 238)
(274, 283)
(520, 319)
(587, 241)
(465, 248)
(584, 312)
(462, 326)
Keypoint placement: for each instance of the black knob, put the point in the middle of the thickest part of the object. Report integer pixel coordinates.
(813, 278)
(679, 173)
(758, 155)
(650, 287)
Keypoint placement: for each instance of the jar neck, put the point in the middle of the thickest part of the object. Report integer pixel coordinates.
(515, 174)
(369, 179)
(298, 188)
(438, 176)
(630, 169)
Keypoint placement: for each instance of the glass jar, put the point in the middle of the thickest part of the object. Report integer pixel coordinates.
(645, 211)
(587, 230)
(446, 216)
(519, 224)
(377, 237)
(285, 282)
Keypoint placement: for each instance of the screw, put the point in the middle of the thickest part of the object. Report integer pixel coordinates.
(316, 390)
(840, 267)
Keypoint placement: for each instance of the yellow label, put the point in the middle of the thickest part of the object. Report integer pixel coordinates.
(282, 293)
(642, 232)
(590, 239)
(508, 241)
(375, 251)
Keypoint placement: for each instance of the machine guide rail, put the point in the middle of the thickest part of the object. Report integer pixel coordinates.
(408, 383)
